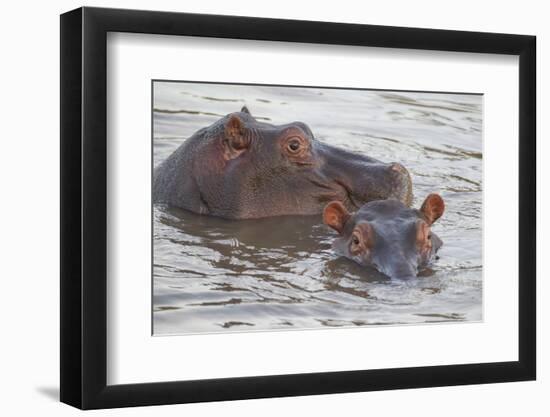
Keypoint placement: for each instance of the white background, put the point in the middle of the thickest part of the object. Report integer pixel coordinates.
(133, 60)
(29, 218)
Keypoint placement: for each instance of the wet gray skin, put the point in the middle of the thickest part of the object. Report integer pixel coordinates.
(240, 168)
(387, 235)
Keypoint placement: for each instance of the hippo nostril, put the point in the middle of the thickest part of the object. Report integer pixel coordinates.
(399, 173)
(394, 166)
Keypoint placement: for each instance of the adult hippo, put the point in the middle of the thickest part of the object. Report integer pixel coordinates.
(240, 168)
(387, 235)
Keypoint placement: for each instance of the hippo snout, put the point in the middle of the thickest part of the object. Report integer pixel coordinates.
(377, 181)
(399, 269)
(385, 181)
(402, 183)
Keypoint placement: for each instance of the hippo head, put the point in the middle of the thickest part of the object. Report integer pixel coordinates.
(242, 168)
(387, 235)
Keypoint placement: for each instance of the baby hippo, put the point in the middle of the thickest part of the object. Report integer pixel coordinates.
(387, 235)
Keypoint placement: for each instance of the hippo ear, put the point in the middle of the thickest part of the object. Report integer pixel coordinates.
(235, 141)
(234, 127)
(245, 110)
(336, 215)
(433, 208)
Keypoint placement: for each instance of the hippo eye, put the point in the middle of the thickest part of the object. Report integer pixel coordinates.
(355, 247)
(294, 145)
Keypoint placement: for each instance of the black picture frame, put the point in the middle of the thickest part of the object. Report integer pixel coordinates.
(84, 207)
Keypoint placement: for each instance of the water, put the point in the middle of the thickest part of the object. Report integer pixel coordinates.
(215, 275)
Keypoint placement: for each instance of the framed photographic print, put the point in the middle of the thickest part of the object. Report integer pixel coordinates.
(256, 208)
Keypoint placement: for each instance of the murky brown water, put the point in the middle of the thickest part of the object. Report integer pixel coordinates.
(215, 275)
